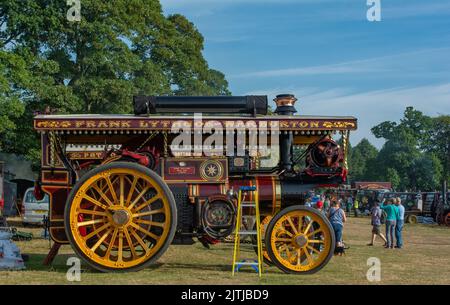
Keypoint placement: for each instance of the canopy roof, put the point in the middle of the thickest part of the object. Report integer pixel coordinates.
(87, 123)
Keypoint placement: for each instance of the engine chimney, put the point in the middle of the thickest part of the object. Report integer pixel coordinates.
(285, 106)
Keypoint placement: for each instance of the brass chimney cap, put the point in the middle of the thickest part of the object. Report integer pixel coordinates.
(285, 100)
(285, 104)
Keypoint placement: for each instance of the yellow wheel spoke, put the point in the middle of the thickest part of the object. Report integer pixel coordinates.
(122, 191)
(92, 212)
(93, 194)
(309, 258)
(140, 241)
(282, 231)
(111, 243)
(142, 193)
(279, 239)
(102, 194)
(292, 225)
(314, 232)
(152, 212)
(314, 249)
(315, 241)
(147, 203)
(299, 255)
(96, 202)
(111, 189)
(100, 241)
(90, 222)
(139, 228)
(150, 223)
(289, 254)
(300, 223)
(96, 231)
(131, 191)
(308, 226)
(130, 243)
(120, 249)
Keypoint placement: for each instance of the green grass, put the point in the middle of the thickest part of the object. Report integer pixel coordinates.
(424, 260)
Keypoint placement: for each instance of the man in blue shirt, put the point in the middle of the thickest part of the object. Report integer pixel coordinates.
(399, 223)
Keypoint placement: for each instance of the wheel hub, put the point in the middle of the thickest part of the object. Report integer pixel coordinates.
(300, 241)
(121, 217)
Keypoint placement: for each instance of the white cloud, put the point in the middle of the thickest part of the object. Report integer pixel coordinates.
(400, 63)
(370, 108)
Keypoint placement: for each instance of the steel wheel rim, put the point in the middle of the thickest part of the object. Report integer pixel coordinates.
(124, 227)
(300, 241)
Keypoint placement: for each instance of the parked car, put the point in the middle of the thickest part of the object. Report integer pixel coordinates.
(33, 210)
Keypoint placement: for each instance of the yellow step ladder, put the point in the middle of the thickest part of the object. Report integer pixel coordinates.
(238, 262)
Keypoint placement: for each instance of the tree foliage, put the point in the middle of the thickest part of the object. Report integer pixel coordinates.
(415, 155)
(119, 49)
(360, 158)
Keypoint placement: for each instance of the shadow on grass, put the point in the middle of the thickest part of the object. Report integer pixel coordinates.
(59, 264)
(35, 262)
(218, 267)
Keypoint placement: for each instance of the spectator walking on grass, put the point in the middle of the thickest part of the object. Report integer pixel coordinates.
(391, 218)
(337, 217)
(376, 224)
(399, 223)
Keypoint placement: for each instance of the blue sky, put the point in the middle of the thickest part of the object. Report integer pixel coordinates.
(329, 55)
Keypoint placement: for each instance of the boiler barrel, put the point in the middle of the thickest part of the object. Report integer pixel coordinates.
(252, 105)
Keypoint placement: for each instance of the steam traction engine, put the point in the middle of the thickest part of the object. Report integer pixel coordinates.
(120, 194)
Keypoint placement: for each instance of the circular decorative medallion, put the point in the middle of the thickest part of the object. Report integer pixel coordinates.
(211, 170)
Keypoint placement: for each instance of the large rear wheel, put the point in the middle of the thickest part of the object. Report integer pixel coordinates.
(447, 219)
(120, 217)
(300, 240)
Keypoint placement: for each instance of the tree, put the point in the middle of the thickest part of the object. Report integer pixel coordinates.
(415, 148)
(425, 173)
(360, 158)
(119, 49)
(439, 143)
(393, 177)
(12, 71)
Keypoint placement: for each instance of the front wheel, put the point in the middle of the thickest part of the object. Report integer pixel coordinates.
(263, 225)
(300, 240)
(120, 217)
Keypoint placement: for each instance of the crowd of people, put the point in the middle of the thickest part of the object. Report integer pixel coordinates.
(393, 218)
(389, 212)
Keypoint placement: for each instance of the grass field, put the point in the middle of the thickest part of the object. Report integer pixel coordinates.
(424, 260)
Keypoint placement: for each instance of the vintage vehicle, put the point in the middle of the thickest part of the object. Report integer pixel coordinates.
(430, 202)
(442, 208)
(121, 203)
(33, 210)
